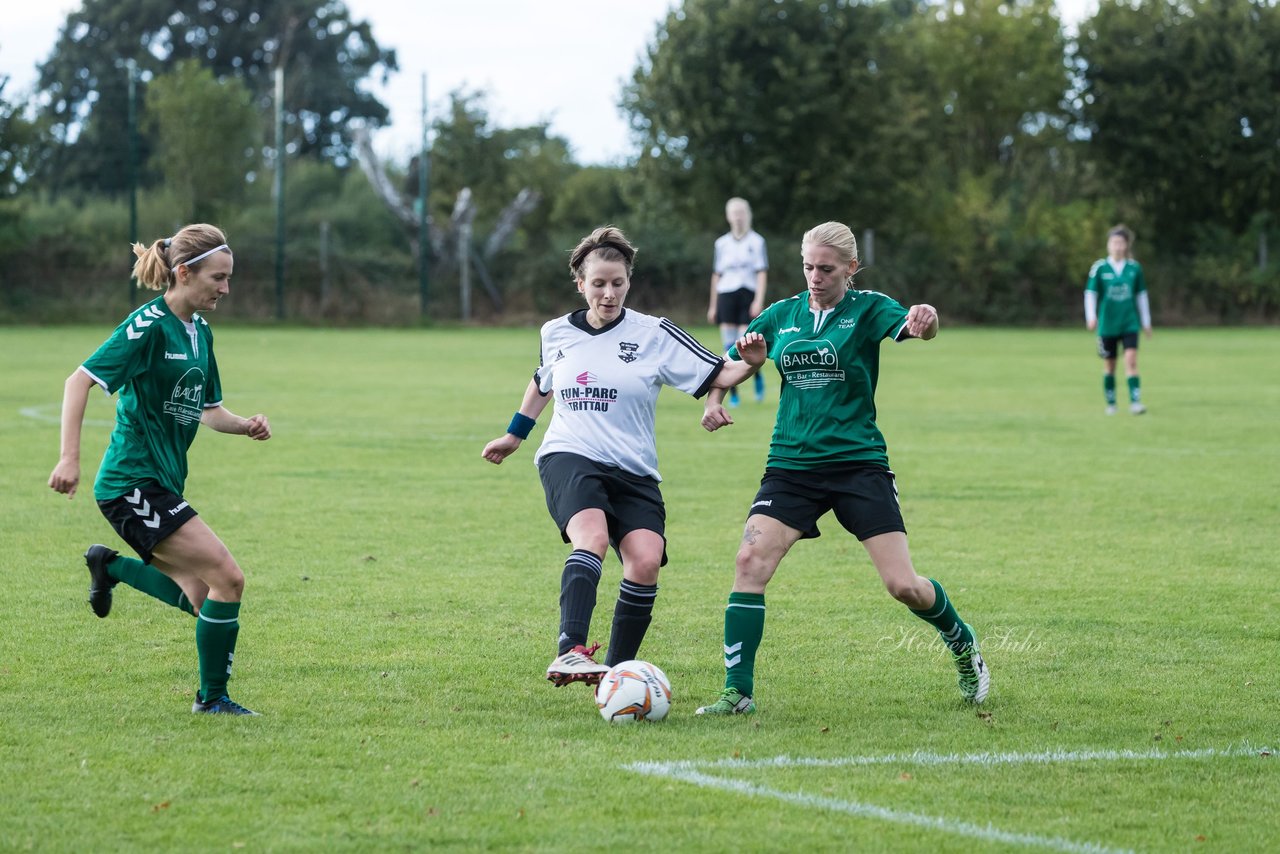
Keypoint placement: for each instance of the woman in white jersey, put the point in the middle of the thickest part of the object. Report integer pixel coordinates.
(739, 275)
(827, 454)
(161, 361)
(604, 366)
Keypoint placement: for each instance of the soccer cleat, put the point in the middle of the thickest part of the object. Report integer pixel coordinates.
(100, 581)
(221, 706)
(1111, 409)
(731, 702)
(975, 680)
(733, 397)
(576, 665)
(1136, 408)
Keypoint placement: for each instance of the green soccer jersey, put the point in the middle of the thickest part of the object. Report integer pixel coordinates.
(1117, 296)
(829, 362)
(166, 375)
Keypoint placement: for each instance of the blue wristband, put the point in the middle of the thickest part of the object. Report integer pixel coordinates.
(520, 425)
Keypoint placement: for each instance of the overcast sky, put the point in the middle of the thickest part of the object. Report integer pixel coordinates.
(561, 61)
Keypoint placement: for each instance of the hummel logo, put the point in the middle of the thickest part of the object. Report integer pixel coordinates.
(176, 510)
(788, 329)
(768, 502)
(179, 356)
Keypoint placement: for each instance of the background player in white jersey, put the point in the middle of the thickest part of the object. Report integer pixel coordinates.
(1116, 305)
(828, 454)
(161, 361)
(604, 366)
(740, 272)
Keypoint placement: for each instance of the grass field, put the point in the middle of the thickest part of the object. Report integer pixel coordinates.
(402, 602)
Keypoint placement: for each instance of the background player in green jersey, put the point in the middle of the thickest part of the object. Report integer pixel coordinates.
(1116, 305)
(161, 361)
(828, 454)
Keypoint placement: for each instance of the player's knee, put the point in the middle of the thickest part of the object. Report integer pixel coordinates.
(752, 570)
(596, 542)
(906, 591)
(233, 582)
(643, 571)
(225, 579)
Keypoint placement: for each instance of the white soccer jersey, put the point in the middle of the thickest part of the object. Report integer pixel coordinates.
(606, 381)
(738, 261)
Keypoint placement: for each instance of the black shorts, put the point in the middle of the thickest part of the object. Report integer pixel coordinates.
(146, 516)
(864, 497)
(630, 502)
(734, 307)
(1107, 344)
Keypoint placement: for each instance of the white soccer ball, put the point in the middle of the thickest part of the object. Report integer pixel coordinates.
(633, 691)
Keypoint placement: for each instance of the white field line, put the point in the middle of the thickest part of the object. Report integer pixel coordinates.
(52, 414)
(1044, 757)
(693, 772)
(986, 833)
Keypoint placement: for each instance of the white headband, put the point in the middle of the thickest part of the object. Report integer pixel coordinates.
(201, 256)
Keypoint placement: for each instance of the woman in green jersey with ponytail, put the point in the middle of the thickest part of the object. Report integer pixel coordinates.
(828, 454)
(161, 361)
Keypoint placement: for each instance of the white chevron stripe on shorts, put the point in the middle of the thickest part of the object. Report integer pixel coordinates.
(145, 510)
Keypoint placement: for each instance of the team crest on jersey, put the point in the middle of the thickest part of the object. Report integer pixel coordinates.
(628, 353)
(810, 363)
(186, 401)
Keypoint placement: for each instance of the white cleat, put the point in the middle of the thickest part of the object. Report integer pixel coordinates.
(576, 665)
(975, 679)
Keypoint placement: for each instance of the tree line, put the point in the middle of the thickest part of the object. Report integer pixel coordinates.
(985, 147)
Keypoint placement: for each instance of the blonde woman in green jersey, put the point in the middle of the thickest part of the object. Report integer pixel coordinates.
(1116, 306)
(828, 454)
(161, 361)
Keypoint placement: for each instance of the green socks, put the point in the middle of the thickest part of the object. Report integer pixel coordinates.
(216, 630)
(1135, 388)
(943, 617)
(743, 629)
(1109, 388)
(149, 580)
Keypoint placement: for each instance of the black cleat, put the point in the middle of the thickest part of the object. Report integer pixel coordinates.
(222, 706)
(100, 581)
